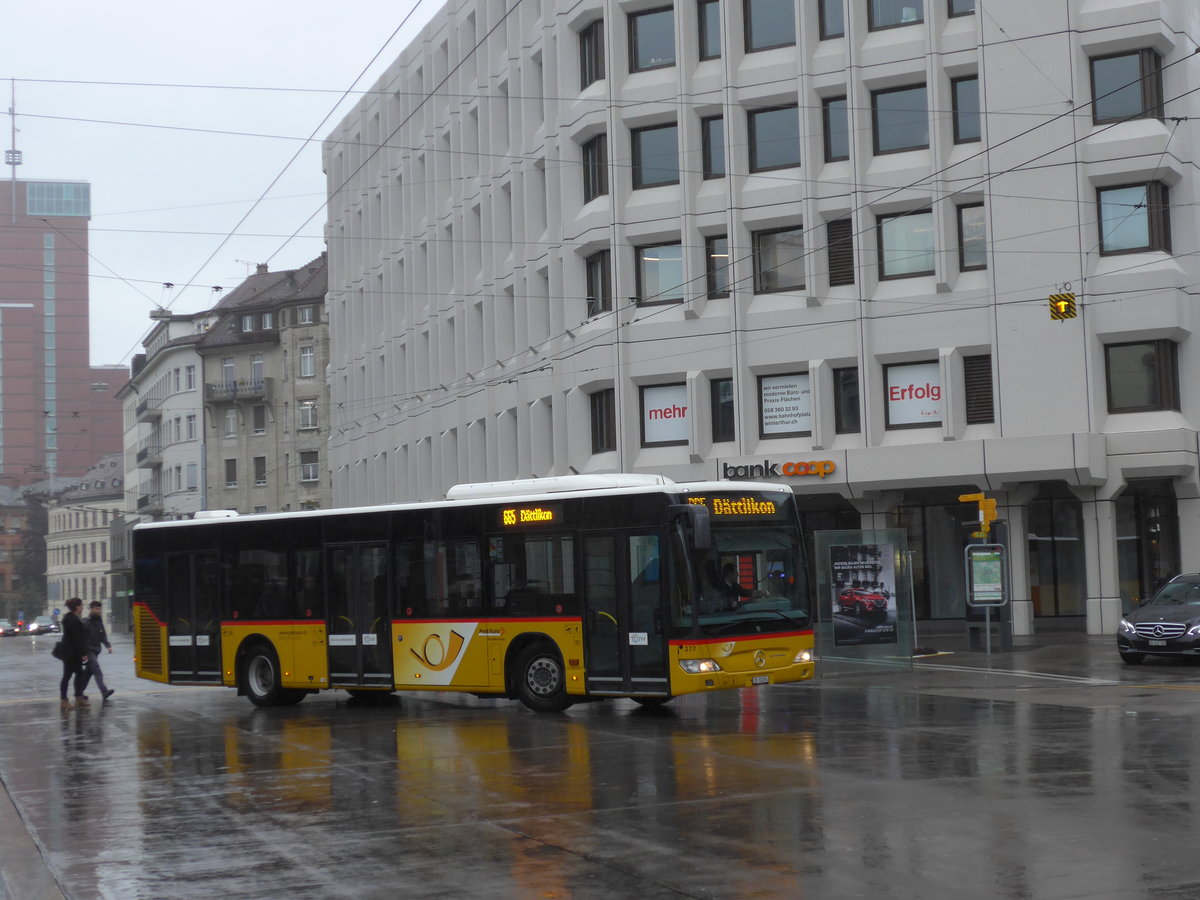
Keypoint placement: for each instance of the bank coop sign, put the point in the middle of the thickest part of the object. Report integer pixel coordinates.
(768, 469)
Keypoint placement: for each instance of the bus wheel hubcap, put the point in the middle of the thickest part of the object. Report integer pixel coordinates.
(542, 677)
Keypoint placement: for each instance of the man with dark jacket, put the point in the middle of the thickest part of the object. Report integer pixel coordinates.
(97, 637)
(74, 645)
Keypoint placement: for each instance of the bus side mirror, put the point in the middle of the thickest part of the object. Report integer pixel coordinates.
(695, 519)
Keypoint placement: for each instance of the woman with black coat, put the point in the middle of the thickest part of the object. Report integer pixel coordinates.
(74, 645)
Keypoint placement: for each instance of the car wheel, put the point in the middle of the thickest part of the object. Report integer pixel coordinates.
(260, 677)
(860, 610)
(541, 679)
(1132, 657)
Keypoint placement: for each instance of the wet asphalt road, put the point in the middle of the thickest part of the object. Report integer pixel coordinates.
(1050, 772)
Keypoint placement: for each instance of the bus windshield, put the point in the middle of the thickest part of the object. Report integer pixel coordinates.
(751, 582)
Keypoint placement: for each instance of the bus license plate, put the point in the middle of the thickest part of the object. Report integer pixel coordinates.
(1157, 643)
(760, 679)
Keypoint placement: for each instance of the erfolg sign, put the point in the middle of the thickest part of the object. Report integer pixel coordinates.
(768, 469)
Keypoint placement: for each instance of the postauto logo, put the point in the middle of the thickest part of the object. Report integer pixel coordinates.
(768, 469)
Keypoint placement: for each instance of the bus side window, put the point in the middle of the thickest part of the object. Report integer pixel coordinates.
(411, 597)
(308, 591)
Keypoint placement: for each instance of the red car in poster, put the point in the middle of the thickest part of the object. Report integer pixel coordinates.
(861, 602)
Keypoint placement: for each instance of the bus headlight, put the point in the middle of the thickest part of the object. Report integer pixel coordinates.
(804, 656)
(699, 666)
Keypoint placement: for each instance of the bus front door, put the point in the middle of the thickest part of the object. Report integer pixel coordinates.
(193, 627)
(359, 626)
(625, 642)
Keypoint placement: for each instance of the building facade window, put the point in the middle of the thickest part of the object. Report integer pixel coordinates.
(191, 426)
(960, 7)
(913, 395)
(972, 237)
(259, 420)
(228, 373)
(894, 13)
(268, 321)
(837, 128)
(652, 39)
(595, 168)
(1142, 376)
(310, 465)
(308, 362)
(774, 138)
(604, 420)
(846, 403)
(709, 16)
(659, 273)
(655, 155)
(839, 236)
(664, 415)
(591, 53)
(723, 419)
(778, 260)
(1134, 217)
(256, 368)
(306, 412)
(260, 471)
(1127, 86)
(769, 23)
(712, 143)
(785, 405)
(965, 94)
(906, 245)
(900, 119)
(230, 419)
(716, 265)
(189, 380)
(832, 19)
(977, 381)
(231, 473)
(598, 277)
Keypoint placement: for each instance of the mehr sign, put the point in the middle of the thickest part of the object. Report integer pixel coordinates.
(914, 394)
(664, 414)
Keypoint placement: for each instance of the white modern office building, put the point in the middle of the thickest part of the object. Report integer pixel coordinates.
(886, 251)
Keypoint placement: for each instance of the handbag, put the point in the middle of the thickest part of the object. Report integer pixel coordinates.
(57, 650)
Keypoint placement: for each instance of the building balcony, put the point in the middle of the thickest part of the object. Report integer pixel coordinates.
(150, 408)
(149, 453)
(243, 389)
(150, 504)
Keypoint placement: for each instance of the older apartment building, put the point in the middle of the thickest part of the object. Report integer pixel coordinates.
(886, 251)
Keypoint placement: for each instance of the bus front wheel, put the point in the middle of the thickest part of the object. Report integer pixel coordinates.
(541, 679)
(260, 677)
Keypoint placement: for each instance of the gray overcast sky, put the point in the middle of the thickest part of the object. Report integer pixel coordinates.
(163, 198)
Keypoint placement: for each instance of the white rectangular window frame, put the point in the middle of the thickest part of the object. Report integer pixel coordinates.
(306, 414)
(906, 245)
(310, 466)
(308, 361)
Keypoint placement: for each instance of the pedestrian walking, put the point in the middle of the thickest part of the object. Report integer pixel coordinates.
(74, 646)
(97, 638)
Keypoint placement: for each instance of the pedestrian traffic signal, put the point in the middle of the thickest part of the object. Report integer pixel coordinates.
(1062, 306)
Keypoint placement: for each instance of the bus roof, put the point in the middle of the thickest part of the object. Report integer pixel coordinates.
(533, 492)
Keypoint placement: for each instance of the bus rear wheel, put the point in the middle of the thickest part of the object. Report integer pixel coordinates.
(541, 679)
(260, 677)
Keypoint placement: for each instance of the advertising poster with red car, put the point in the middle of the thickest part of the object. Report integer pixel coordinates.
(864, 594)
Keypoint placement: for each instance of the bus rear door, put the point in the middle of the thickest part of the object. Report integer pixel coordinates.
(193, 626)
(359, 630)
(625, 641)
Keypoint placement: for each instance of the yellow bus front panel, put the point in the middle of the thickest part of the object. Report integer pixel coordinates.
(722, 663)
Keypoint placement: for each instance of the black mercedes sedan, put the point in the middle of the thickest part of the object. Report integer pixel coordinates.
(1168, 624)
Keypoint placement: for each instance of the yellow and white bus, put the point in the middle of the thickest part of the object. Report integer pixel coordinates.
(551, 591)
